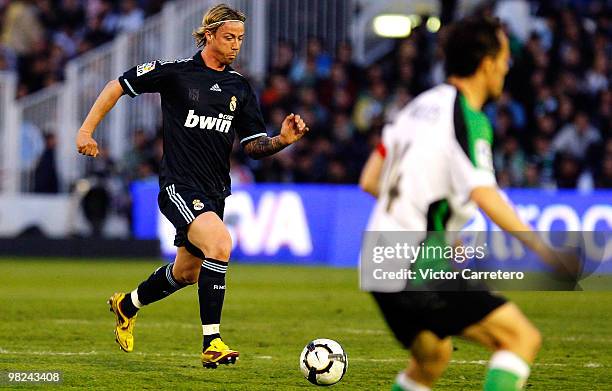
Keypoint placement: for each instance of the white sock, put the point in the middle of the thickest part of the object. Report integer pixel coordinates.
(208, 329)
(408, 384)
(509, 362)
(134, 297)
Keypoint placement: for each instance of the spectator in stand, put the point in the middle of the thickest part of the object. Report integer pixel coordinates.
(543, 157)
(567, 171)
(398, 101)
(278, 93)
(45, 174)
(110, 19)
(316, 64)
(597, 77)
(576, 138)
(308, 102)
(532, 176)
(344, 56)
(514, 108)
(511, 159)
(604, 180)
(566, 111)
(603, 117)
(131, 17)
(140, 153)
(94, 33)
(339, 79)
(369, 105)
(21, 28)
(282, 59)
(72, 14)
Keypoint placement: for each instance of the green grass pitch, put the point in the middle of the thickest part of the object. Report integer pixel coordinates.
(53, 316)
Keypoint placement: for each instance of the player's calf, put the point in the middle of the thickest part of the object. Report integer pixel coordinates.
(162, 283)
(430, 357)
(509, 366)
(186, 268)
(211, 237)
(516, 343)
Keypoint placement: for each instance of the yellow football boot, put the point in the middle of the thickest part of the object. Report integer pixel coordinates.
(124, 326)
(218, 353)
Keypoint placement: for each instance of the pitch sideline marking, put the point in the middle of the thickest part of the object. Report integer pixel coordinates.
(570, 338)
(474, 362)
(175, 354)
(105, 322)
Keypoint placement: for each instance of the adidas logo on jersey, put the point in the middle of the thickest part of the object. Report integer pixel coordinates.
(221, 124)
(215, 88)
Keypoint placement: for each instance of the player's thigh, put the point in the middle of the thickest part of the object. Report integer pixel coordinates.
(211, 236)
(506, 328)
(186, 267)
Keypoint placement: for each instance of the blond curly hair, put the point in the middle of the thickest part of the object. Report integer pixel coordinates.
(213, 19)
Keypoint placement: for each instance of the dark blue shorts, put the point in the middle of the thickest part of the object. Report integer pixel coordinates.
(181, 205)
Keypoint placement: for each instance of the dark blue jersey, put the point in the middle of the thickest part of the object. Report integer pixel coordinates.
(203, 109)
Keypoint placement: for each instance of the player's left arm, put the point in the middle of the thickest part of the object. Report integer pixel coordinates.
(490, 201)
(293, 128)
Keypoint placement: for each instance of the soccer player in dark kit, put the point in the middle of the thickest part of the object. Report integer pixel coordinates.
(205, 103)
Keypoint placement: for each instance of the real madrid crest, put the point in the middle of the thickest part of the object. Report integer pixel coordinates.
(233, 103)
(197, 205)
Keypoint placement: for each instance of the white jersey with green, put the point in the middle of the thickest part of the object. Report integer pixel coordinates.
(438, 151)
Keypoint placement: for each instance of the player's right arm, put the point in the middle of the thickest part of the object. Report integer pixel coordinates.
(150, 77)
(369, 181)
(107, 99)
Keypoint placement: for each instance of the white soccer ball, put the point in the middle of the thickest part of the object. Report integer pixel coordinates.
(323, 362)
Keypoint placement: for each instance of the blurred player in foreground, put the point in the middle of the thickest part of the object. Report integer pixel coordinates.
(205, 104)
(433, 165)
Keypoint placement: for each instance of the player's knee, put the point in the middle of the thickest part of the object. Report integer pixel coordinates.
(221, 250)
(532, 338)
(218, 247)
(525, 339)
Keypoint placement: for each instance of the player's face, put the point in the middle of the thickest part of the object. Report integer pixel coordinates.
(226, 42)
(498, 68)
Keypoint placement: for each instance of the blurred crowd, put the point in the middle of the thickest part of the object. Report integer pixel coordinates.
(552, 124)
(38, 37)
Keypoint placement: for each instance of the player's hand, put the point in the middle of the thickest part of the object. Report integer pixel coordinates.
(565, 263)
(85, 144)
(293, 128)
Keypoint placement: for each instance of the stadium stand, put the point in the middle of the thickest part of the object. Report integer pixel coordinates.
(552, 124)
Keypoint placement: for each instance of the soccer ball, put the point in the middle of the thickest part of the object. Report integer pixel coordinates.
(323, 362)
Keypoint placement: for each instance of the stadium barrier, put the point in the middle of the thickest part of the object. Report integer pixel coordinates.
(324, 224)
(9, 143)
(36, 247)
